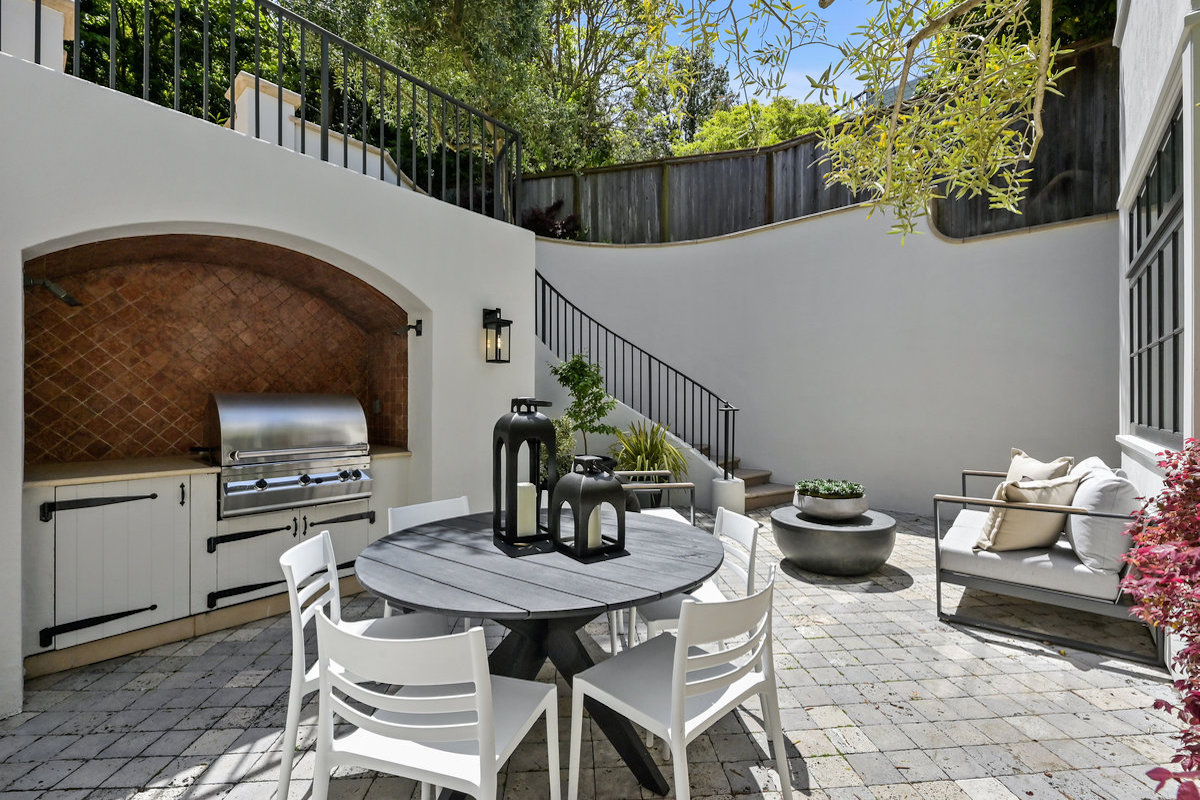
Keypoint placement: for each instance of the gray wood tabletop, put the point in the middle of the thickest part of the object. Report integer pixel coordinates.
(453, 567)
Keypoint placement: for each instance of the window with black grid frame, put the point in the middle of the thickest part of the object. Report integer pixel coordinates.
(1156, 295)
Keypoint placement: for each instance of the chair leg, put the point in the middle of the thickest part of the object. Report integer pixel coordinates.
(614, 635)
(426, 791)
(770, 706)
(387, 608)
(683, 789)
(631, 628)
(320, 784)
(287, 750)
(552, 766)
(576, 744)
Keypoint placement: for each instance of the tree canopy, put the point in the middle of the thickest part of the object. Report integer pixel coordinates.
(754, 124)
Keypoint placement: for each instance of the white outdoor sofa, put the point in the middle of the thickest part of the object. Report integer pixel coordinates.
(1053, 575)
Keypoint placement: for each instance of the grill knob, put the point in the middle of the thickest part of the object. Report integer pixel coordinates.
(305, 480)
(355, 474)
(260, 484)
(343, 475)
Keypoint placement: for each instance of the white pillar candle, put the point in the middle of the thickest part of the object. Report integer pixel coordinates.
(526, 509)
(594, 528)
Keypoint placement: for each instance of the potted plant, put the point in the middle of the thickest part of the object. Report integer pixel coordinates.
(590, 404)
(1165, 584)
(646, 447)
(830, 498)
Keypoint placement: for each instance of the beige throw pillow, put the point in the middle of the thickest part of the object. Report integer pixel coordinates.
(1027, 468)
(1021, 529)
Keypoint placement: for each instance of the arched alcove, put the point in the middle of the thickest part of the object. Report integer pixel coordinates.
(164, 320)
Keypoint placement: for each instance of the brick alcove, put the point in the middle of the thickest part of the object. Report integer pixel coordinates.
(166, 320)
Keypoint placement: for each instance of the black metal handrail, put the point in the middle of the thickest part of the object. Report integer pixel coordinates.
(449, 149)
(654, 389)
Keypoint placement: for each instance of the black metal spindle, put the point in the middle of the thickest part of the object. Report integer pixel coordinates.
(414, 137)
(145, 49)
(37, 31)
(399, 108)
(112, 44)
(204, 88)
(176, 92)
(233, 9)
(428, 141)
(443, 195)
(457, 158)
(325, 104)
(471, 162)
(303, 91)
(279, 79)
(363, 127)
(345, 106)
(77, 44)
(382, 114)
(257, 71)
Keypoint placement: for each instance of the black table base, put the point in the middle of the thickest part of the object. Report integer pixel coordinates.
(522, 653)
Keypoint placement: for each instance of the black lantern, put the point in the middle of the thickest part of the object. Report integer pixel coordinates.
(589, 485)
(496, 329)
(520, 523)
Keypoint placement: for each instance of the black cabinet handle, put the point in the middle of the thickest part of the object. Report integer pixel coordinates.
(46, 635)
(221, 594)
(182, 494)
(213, 541)
(46, 512)
(367, 515)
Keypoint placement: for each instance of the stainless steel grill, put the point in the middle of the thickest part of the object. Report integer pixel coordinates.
(286, 450)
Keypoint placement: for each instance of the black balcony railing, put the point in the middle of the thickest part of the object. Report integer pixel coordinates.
(334, 100)
(638, 379)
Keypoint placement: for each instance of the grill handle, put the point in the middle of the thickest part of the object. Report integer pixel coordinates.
(238, 455)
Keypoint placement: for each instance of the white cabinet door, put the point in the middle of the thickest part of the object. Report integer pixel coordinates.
(349, 525)
(37, 569)
(391, 489)
(246, 553)
(120, 557)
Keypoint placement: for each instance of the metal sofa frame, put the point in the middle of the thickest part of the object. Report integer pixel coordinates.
(1117, 608)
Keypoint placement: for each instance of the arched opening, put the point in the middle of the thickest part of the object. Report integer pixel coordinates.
(164, 320)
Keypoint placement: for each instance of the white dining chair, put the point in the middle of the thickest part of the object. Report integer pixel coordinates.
(310, 570)
(739, 537)
(451, 724)
(410, 516)
(677, 686)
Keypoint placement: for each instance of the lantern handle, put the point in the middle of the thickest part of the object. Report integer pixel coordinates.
(526, 405)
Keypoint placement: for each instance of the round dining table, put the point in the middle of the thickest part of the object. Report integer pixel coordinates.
(544, 598)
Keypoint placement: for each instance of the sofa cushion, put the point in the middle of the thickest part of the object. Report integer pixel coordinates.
(1100, 542)
(1093, 463)
(1024, 467)
(1017, 529)
(1056, 568)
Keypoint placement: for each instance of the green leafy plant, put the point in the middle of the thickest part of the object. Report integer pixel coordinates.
(564, 447)
(590, 404)
(645, 447)
(830, 488)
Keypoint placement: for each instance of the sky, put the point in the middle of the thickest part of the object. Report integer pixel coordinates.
(841, 19)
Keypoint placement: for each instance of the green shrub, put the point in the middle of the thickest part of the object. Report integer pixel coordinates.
(645, 448)
(829, 487)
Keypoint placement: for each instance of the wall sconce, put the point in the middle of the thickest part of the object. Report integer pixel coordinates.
(496, 330)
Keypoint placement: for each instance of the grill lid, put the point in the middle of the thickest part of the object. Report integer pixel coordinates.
(246, 428)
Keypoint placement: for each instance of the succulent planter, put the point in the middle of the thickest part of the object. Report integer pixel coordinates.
(834, 508)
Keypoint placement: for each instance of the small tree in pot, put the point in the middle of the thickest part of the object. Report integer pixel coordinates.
(590, 404)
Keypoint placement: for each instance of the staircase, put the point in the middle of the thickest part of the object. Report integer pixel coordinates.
(760, 492)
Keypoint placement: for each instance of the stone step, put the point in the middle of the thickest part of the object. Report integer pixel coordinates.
(767, 495)
(753, 477)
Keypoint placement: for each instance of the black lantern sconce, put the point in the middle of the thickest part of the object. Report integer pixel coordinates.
(520, 523)
(589, 485)
(496, 329)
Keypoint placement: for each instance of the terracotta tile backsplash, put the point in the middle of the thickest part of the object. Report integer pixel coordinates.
(128, 373)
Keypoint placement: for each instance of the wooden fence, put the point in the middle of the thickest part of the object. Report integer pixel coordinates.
(695, 197)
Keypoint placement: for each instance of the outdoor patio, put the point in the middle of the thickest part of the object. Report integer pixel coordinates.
(879, 701)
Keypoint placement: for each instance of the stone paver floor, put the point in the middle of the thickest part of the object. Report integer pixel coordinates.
(879, 700)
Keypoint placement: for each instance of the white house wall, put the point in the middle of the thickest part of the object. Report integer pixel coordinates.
(81, 163)
(854, 356)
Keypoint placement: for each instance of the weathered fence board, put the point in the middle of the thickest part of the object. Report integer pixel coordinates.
(695, 197)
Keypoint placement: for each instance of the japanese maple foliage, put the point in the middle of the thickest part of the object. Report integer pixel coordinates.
(1165, 585)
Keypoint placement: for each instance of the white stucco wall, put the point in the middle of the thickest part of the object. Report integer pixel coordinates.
(81, 163)
(853, 356)
(1149, 35)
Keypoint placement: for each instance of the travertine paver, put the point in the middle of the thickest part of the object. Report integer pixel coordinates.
(879, 701)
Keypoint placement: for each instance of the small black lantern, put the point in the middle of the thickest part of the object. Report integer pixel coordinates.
(496, 330)
(521, 523)
(588, 486)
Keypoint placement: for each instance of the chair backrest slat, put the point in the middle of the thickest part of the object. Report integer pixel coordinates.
(310, 571)
(403, 517)
(716, 680)
(739, 528)
(446, 690)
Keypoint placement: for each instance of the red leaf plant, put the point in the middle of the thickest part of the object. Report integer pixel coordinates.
(1164, 583)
